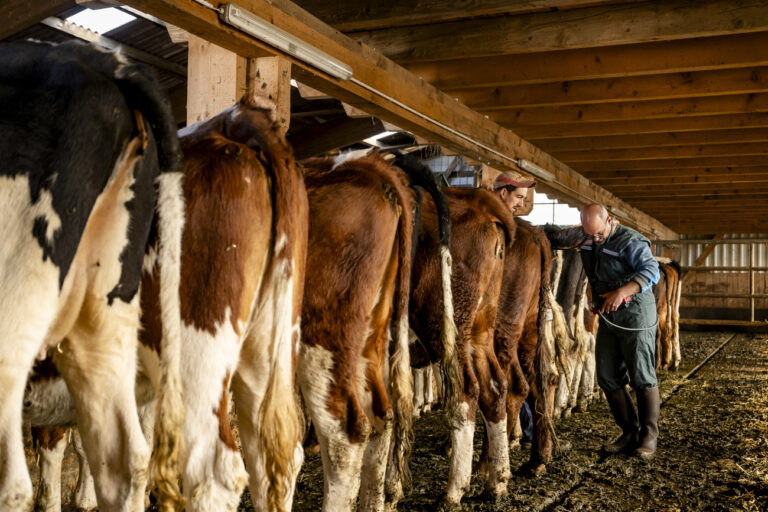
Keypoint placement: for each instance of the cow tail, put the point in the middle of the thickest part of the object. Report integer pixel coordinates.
(168, 440)
(422, 176)
(546, 373)
(280, 424)
(400, 376)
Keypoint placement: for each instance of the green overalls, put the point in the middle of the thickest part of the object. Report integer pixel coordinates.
(622, 356)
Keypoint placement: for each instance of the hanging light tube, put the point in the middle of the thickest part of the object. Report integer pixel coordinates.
(286, 42)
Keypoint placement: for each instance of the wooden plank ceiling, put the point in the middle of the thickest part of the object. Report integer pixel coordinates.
(663, 103)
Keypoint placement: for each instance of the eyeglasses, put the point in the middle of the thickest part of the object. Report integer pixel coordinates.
(600, 235)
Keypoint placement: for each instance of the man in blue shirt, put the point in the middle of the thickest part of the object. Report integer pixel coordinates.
(621, 270)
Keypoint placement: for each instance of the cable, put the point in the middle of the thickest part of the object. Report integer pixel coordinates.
(628, 328)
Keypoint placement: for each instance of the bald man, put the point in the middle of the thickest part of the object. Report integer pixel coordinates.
(621, 271)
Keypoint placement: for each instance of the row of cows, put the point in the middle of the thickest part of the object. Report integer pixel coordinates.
(208, 262)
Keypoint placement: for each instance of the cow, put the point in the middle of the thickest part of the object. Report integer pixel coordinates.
(667, 293)
(523, 340)
(482, 230)
(576, 353)
(90, 154)
(358, 283)
(242, 274)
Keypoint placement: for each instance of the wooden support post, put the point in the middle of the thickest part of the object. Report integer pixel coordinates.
(216, 79)
(702, 257)
(271, 77)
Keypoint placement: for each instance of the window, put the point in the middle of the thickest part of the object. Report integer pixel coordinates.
(551, 211)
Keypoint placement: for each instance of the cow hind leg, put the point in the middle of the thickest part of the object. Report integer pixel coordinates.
(84, 495)
(98, 362)
(51, 443)
(214, 474)
(342, 453)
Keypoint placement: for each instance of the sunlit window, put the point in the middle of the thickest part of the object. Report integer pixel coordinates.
(101, 21)
(550, 211)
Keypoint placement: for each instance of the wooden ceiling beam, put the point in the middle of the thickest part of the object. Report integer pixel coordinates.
(654, 140)
(691, 151)
(618, 183)
(20, 15)
(714, 53)
(656, 109)
(578, 28)
(350, 15)
(640, 126)
(681, 172)
(608, 90)
(674, 163)
(699, 192)
(429, 113)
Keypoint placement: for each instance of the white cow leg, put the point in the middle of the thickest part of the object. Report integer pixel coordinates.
(84, 496)
(147, 420)
(498, 458)
(342, 458)
(573, 394)
(98, 362)
(429, 390)
(375, 460)
(561, 395)
(517, 433)
(51, 443)
(17, 353)
(214, 474)
(462, 434)
(418, 391)
(586, 389)
(437, 375)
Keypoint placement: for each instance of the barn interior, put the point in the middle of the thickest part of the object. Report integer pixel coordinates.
(656, 109)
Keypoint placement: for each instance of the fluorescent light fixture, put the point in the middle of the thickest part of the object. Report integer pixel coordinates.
(286, 42)
(534, 169)
(101, 21)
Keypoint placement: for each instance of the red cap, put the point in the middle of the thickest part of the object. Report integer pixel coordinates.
(512, 179)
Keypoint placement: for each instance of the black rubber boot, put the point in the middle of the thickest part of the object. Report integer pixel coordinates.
(626, 418)
(648, 405)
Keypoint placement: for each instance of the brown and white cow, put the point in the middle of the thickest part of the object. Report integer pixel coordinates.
(523, 340)
(482, 229)
(89, 155)
(357, 285)
(242, 268)
(667, 293)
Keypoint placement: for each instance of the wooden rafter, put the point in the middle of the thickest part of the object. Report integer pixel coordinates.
(348, 15)
(655, 140)
(622, 89)
(690, 151)
(639, 126)
(579, 28)
(714, 53)
(674, 163)
(19, 15)
(657, 109)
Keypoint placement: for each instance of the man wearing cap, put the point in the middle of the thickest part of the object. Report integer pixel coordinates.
(512, 189)
(621, 271)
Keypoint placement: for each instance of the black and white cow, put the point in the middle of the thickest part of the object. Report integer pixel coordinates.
(89, 157)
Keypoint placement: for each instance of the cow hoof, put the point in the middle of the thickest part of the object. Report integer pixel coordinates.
(563, 448)
(514, 444)
(444, 505)
(496, 493)
(534, 469)
(526, 446)
(566, 414)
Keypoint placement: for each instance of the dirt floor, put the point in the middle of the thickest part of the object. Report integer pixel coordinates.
(713, 449)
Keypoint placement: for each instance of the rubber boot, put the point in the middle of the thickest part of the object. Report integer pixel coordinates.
(624, 414)
(648, 405)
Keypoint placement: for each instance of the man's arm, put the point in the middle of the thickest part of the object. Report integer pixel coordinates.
(646, 274)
